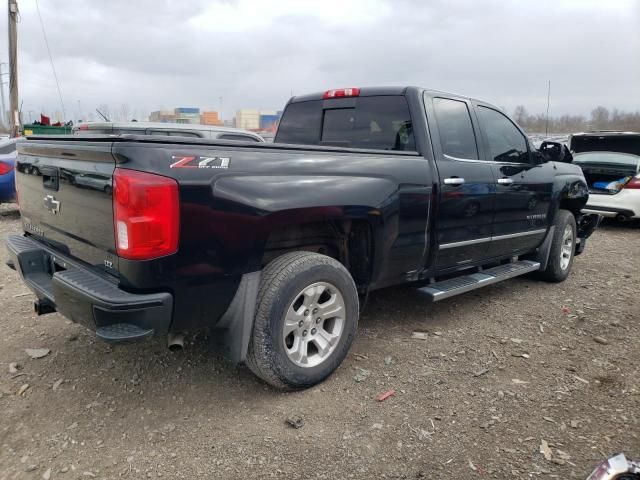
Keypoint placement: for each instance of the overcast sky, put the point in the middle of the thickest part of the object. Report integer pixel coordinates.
(151, 54)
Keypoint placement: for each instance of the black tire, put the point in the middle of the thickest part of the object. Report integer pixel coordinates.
(282, 281)
(555, 271)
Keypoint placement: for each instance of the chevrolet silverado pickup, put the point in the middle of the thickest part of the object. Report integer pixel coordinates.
(274, 247)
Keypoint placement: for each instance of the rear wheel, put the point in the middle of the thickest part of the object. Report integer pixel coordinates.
(563, 248)
(306, 319)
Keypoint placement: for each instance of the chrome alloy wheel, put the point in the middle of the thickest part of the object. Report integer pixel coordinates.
(568, 245)
(314, 324)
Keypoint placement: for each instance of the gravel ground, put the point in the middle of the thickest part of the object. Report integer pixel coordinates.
(501, 372)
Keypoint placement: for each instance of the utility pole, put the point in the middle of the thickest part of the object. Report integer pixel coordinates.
(13, 68)
(3, 117)
(546, 127)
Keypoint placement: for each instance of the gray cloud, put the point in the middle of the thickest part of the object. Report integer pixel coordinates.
(151, 54)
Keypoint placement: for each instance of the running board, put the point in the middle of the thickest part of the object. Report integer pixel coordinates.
(455, 286)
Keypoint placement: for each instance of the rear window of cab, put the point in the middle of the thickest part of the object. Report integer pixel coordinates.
(378, 123)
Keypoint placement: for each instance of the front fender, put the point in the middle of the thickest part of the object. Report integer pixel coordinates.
(570, 190)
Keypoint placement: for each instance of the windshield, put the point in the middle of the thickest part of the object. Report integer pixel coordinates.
(608, 158)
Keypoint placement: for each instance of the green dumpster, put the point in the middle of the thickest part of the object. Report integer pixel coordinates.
(45, 130)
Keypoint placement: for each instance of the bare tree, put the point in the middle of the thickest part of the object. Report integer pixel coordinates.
(520, 115)
(599, 118)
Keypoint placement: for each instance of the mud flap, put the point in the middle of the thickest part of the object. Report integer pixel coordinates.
(232, 333)
(542, 254)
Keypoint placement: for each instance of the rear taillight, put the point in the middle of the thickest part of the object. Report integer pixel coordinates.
(83, 126)
(5, 168)
(633, 184)
(146, 214)
(341, 93)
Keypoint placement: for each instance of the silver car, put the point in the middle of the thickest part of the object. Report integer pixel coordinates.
(167, 129)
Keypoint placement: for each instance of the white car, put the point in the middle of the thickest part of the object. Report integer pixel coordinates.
(610, 162)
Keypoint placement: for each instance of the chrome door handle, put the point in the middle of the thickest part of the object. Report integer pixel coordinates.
(454, 181)
(505, 181)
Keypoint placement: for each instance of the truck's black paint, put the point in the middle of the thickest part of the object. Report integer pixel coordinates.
(388, 215)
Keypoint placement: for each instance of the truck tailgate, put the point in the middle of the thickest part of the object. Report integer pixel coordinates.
(65, 195)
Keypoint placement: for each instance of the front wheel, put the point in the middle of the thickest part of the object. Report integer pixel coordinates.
(563, 248)
(306, 319)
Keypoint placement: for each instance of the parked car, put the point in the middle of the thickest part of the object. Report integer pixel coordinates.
(166, 129)
(611, 165)
(272, 246)
(7, 162)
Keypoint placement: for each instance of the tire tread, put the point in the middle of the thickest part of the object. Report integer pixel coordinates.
(259, 355)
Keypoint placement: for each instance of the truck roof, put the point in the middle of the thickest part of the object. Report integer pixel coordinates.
(388, 90)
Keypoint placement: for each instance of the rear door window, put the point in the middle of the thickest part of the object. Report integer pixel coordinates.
(457, 137)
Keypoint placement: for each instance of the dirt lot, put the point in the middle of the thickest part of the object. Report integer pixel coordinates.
(501, 371)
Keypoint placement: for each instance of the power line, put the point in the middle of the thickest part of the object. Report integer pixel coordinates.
(55, 75)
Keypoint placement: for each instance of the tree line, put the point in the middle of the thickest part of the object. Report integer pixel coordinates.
(599, 119)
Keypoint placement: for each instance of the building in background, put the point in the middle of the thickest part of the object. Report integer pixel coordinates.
(210, 118)
(257, 119)
(164, 116)
(187, 115)
(269, 120)
(248, 119)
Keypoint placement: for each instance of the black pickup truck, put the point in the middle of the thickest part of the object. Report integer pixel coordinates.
(273, 247)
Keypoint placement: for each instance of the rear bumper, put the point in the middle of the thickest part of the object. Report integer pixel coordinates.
(625, 203)
(84, 297)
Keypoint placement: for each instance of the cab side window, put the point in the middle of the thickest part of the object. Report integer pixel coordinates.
(457, 137)
(506, 143)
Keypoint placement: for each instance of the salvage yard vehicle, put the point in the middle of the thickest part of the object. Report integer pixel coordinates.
(611, 165)
(164, 129)
(7, 161)
(273, 245)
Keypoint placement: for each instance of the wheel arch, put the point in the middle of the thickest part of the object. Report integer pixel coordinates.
(351, 241)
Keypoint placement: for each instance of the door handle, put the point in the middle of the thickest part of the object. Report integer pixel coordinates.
(505, 181)
(50, 178)
(453, 181)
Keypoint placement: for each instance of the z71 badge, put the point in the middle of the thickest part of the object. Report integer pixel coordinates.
(199, 162)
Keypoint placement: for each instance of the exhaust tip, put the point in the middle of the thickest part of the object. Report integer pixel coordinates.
(175, 342)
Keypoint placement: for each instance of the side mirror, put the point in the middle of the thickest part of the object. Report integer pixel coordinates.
(555, 152)
(552, 151)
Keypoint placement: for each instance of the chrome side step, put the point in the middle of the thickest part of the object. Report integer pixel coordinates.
(455, 286)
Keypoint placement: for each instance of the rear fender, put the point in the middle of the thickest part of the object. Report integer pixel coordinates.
(282, 201)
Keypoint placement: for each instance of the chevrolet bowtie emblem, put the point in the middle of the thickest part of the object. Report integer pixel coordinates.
(52, 204)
